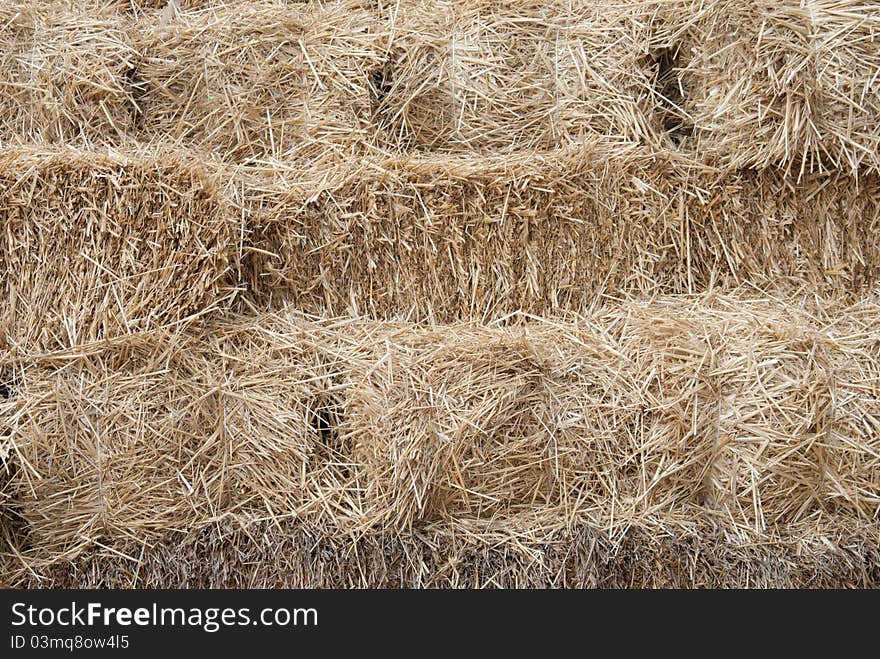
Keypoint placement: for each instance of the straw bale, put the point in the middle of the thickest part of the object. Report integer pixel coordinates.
(496, 76)
(65, 76)
(259, 80)
(167, 431)
(760, 83)
(757, 412)
(832, 555)
(95, 245)
(591, 283)
(468, 237)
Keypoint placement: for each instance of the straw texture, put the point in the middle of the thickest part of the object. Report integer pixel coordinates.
(478, 76)
(65, 76)
(469, 237)
(729, 411)
(260, 80)
(96, 245)
(473, 293)
(678, 556)
(758, 83)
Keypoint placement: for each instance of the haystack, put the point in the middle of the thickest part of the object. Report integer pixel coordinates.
(439, 294)
(731, 413)
(65, 75)
(490, 76)
(476, 237)
(96, 245)
(756, 83)
(259, 80)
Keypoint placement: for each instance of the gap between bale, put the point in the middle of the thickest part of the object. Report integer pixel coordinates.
(671, 93)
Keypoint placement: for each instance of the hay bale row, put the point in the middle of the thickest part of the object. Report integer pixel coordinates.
(748, 413)
(727, 83)
(291, 555)
(175, 5)
(755, 412)
(94, 245)
(736, 84)
(447, 238)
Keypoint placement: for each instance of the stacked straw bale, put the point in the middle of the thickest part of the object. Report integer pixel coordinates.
(171, 6)
(430, 180)
(260, 80)
(65, 76)
(497, 76)
(96, 245)
(232, 81)
(757, 83)
(747, 415)
(738, 84)
(469, 237)
(163, 432)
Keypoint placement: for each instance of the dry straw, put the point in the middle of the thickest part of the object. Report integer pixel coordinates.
(235, 81)
(445, 238)
(259, 80)
(96, 245)
(64, 75)
(492, 166)
(736, 84)
(289, 555)
(756, 412)
(759, 83)
(751, 416)
(490, 76)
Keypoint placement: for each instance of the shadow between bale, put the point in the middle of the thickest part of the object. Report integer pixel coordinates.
(670, 92)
